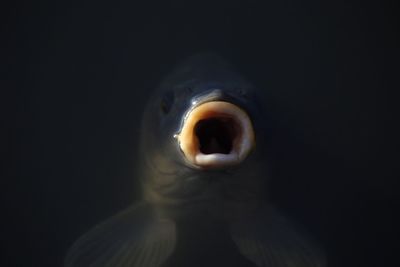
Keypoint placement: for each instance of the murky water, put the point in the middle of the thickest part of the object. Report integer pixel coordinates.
(83, 72)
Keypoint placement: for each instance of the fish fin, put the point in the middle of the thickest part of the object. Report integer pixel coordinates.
(268, 239)
(133, 237)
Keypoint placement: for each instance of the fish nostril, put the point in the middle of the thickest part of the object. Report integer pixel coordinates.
(167, 102)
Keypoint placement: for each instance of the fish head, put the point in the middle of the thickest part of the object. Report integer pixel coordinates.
(202, 125)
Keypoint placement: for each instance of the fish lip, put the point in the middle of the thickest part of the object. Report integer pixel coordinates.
(215, 106)
(215, 95)
(208, 96)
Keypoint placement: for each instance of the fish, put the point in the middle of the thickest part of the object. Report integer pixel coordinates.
(203, 159)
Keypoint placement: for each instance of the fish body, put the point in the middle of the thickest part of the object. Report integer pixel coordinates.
(203, 171)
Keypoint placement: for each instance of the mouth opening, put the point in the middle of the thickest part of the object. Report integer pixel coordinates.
(216, 134)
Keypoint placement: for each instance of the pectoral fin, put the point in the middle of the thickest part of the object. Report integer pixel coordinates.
(268, 239)
(134, 237)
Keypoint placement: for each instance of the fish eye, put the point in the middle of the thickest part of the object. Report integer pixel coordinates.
(167, 101)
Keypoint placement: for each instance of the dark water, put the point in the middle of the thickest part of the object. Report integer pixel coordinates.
(77, 75)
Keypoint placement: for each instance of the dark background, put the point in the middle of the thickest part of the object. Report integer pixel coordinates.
(75, 75)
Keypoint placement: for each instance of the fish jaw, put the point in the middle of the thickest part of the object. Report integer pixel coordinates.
(215, 135)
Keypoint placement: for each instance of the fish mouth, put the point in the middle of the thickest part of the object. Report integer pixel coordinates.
(216, 134)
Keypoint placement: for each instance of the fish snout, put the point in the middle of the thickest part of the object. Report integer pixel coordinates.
(215, 135)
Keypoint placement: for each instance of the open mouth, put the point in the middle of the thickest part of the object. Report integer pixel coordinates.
(216, 134)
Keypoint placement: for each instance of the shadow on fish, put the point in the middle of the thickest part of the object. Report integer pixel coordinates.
(203, 172)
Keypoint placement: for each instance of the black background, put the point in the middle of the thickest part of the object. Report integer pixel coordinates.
(75, 76)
